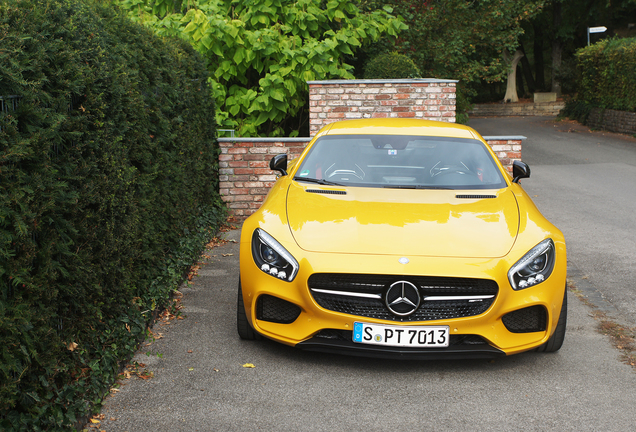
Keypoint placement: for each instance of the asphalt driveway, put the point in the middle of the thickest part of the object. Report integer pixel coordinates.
(585, 183)
(201, 379)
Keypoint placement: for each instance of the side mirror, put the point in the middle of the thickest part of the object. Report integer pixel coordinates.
(279, 163)
(520, 170)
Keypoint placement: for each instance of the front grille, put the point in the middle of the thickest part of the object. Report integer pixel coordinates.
(354, 290)
(347, 336)
(526, 320)
(273, 309)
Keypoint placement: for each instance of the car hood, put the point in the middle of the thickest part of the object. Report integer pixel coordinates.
(407, 222)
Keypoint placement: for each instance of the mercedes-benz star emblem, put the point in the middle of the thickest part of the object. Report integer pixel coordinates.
(402, 298)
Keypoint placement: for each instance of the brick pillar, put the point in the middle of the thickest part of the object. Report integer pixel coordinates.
(424, 98)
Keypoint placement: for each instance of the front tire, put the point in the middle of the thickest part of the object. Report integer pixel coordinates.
(243, 326)
(556, 340)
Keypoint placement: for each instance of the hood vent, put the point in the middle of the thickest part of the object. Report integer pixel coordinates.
(475, 196)
(326, 191)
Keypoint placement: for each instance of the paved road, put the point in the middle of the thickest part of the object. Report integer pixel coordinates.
(583, 387)
(585, 183)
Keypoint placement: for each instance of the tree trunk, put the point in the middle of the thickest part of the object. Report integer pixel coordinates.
(527, 70)
(539, 66)
(511, 89)
(557, 48)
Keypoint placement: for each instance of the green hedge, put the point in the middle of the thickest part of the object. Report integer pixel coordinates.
(607, 73)
(391, 66)
(108, 191)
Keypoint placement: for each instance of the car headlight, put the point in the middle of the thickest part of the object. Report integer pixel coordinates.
(272, 258)
(535, 266)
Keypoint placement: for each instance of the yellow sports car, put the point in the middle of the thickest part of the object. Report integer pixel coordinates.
(401, 238)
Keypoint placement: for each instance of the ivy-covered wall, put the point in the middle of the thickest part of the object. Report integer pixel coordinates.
(108, 192)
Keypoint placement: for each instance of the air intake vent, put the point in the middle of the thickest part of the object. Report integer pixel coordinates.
(326, 191)
(475, 196)
(526, 320)
(276, 310)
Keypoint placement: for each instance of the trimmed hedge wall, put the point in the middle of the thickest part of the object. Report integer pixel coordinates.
(108, 192)
(607, 73)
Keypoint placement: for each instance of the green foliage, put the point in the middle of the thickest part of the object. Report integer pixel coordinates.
(261, 53)
(108, 191)
(576, 110)
(462, 40)
(391, 66)
(607, 73)
(458, 39)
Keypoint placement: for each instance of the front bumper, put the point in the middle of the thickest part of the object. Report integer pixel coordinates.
(340, 342)
(318, 329)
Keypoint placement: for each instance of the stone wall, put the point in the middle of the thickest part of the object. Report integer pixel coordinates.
(425, 98)
(517, 109)
(245, 177)
(612, 120)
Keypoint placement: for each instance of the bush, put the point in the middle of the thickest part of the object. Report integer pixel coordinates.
(576, 110)
(607, 73)
(108, 191)
(261, 53)
(391, 66)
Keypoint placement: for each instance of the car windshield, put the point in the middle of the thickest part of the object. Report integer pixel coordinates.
(400, 161)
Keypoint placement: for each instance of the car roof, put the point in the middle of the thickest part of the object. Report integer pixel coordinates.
(399, 126)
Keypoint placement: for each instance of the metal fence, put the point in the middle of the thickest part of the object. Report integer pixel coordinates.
(8, 103)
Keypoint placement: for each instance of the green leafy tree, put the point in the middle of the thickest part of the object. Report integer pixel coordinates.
(261, 53)
(459, 39)
(561, 28)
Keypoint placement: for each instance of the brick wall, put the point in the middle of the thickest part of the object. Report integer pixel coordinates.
(507, 149)
(612, 120)
(425, 98)
(244, 174)
(245, 177)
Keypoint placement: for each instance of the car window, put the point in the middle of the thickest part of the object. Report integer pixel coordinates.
(401, 161)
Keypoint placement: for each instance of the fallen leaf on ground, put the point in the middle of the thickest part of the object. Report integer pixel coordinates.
(145, 375)
(248, 365)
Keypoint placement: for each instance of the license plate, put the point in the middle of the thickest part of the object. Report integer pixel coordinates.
(401, 336)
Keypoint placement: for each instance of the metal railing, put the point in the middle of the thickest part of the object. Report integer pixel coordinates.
(8, 103)
(231, 131)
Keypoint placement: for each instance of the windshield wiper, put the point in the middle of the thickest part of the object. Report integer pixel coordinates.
(319, 181)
